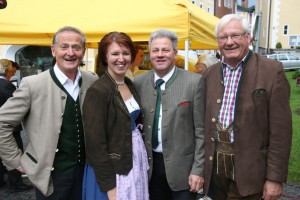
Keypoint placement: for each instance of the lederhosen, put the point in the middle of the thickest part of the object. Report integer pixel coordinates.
(224, 155)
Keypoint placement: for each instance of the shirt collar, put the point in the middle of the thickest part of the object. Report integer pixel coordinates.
(2, 77)
(63, 79)
(166, 77)
(224, 64)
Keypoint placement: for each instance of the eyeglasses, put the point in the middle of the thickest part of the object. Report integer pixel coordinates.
(235, 37)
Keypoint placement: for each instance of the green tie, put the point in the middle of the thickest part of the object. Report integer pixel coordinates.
(159, 82)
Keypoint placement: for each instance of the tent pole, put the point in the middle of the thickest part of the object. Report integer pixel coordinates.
(86, 59)
(186, 56)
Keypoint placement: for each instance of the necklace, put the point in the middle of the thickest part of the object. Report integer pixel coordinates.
(120, 82)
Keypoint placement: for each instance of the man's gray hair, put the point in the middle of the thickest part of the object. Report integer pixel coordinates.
(231, 17)
(164, 33)
(69, 29)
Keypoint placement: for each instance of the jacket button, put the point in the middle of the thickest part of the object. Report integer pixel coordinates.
(52, 168)
(56, 150)
(219, 101)
(212, 139)
(149, 126)
(151, 110)
(213, 119)
(148, 142)
(210, 158)
(63, 97)
(149, 158)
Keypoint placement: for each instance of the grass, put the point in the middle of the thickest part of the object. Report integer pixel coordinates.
(294, 162)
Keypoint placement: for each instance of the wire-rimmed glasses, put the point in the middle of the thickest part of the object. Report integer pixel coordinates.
(235, 37)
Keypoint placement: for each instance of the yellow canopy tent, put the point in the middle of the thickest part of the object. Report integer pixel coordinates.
(34, 22)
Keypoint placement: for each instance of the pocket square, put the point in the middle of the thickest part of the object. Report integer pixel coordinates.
(185, 103)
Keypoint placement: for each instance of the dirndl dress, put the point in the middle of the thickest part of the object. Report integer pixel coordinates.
(134, 185)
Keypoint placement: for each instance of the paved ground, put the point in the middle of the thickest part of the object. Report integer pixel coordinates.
(291, 191)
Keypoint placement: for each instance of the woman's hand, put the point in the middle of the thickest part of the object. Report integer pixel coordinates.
(112, 194)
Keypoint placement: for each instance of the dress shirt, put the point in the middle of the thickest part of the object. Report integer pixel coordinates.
(71, 87)
(231, 77)
(159, 148)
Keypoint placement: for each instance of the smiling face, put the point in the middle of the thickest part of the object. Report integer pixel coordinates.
(118, 59)
(162, 55)
(234, 50)
(68, 52)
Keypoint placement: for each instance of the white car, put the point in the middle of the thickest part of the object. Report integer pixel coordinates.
(289, 61)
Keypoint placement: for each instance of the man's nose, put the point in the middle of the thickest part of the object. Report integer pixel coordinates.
(70, 51)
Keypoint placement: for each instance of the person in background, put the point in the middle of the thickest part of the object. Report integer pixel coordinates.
(138, 60)
(116, 156)
(248, 122)
(204, 61)
(7, 70)
(173, 101)
(180, 63)
(49, 105)
(218, 56)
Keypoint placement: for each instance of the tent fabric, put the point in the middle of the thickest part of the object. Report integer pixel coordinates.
(34, 22)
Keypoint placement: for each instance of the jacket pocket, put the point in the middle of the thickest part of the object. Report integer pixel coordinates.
(31, 157)
(114, 156)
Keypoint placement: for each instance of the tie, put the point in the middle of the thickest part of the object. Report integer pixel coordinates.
(159, 82)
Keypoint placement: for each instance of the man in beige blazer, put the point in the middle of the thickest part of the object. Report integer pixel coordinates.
(177, 160)
(49, 105)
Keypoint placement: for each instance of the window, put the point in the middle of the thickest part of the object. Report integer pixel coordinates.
(193, 2)
(285, 29)
(228, 3)
(282, 57)
(201, 5)
(292, 57)
(219, 3)
(33, 59)
(294, 40)
(274, 57)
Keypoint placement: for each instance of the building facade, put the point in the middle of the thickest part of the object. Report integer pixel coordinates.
(279, 24)
(218, 8)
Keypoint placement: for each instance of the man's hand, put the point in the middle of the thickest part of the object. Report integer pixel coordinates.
(195, 182)
(21, 169)
(272, 190)
(111, 194)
